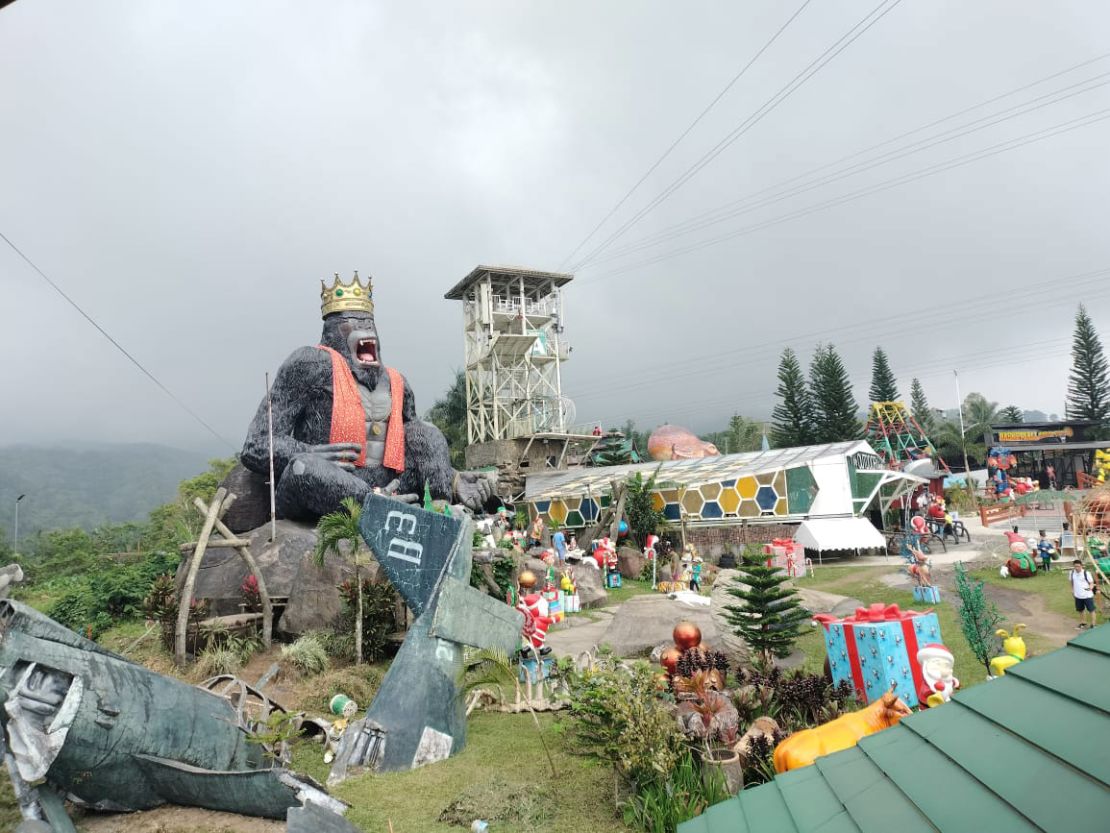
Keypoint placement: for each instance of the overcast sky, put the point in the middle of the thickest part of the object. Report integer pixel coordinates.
(187, 171)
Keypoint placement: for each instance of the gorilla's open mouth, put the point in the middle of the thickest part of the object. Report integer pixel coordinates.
(366, 351)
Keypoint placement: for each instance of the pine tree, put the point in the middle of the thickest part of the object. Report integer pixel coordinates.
(1089, 383)
(834, 405)
(919, 407)
(792, 418)
(1012, 414)
(979, 619)
(770, 615)
(884, 387)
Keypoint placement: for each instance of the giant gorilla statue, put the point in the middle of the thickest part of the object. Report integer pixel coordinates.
(344, 424)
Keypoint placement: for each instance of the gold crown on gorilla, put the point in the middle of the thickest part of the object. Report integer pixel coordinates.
(346, 297)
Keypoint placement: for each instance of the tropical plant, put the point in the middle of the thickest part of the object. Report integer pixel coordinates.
(792, 417)
(377, 603)
(1089, 380)
(448, 414)
(834, 405)
(770, 616)
(884, 387)
(643, 518)
(333, 531)
(662, 804)
(619, 717)
(307, 655)
(979, 618)
(742, 434)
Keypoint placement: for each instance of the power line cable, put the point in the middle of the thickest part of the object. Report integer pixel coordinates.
(767, 107)
(938, 317)
(750, 203)
(115, 343)
(998, 357)
(922, 173)
(686, 132)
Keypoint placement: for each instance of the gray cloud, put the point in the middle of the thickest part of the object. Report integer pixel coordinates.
(187, 171)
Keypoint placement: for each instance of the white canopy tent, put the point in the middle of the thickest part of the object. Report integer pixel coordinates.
(828, 534)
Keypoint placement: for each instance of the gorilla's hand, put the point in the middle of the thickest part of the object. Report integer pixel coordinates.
(473, 489)
(343, 455)
(391, 490)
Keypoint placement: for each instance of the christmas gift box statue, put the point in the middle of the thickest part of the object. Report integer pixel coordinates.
(875, 649)
(937, 684)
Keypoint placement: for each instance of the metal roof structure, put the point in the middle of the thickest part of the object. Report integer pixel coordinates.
(676, 473)
(530, 276)
(1027, 752)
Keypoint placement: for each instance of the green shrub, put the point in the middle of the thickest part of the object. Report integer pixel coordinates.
(307, 655)
(661, 805)
(218, 659)
(110, 593)
(378, 616)
(620, 717)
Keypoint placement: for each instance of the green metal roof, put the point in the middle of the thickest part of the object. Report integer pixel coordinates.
(1028, 752)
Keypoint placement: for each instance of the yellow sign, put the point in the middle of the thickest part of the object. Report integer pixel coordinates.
(1031, 436)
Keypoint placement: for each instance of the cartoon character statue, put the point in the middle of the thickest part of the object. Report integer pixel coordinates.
(1013, 647)
(650, 543)
(1101, 468)
(344, 708)
(804, 747)
(936, 663)
(536, 623)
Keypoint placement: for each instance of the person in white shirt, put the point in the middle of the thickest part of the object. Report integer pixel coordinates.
(1083, 589)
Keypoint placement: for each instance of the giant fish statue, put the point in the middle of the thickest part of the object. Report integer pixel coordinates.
(672, 442)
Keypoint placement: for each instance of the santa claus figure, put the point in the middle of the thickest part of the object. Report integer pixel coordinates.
(936, 669)
(603, 548)
(536, 623)
(650, 543)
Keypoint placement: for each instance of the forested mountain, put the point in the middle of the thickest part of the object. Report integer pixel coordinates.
(89, 486)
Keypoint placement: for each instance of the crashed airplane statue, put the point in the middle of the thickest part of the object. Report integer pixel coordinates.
(418, 716)
(84, 724)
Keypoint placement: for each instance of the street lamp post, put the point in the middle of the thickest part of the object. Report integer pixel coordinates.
(15, 540)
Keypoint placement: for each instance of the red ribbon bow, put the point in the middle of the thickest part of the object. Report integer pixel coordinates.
(880, 613)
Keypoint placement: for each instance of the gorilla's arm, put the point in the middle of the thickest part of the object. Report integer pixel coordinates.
(428, 459)
(305, 371)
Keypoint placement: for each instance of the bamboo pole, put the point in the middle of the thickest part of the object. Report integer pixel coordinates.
(273, 482)
(252, 565)
(186, 599)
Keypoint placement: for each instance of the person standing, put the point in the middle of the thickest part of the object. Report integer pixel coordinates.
(559, 541)
(1083, 590)
(1046, 549)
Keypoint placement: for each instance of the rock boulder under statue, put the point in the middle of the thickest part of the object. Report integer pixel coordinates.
(289, 570)
(630, 561)
(643, 622)
(591, 590)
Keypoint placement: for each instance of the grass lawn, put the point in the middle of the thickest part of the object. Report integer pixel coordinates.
(865, 584)
(629, 587)
(504, 756)
(1052, 587)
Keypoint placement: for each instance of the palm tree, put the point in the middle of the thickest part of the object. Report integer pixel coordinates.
(332, 530)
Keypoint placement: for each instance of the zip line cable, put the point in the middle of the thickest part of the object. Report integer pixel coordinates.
(685, 133)
(767, 107)
(922, 173)
(938, 314)
(1009, 356)
(734, 209)
(115, 343)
